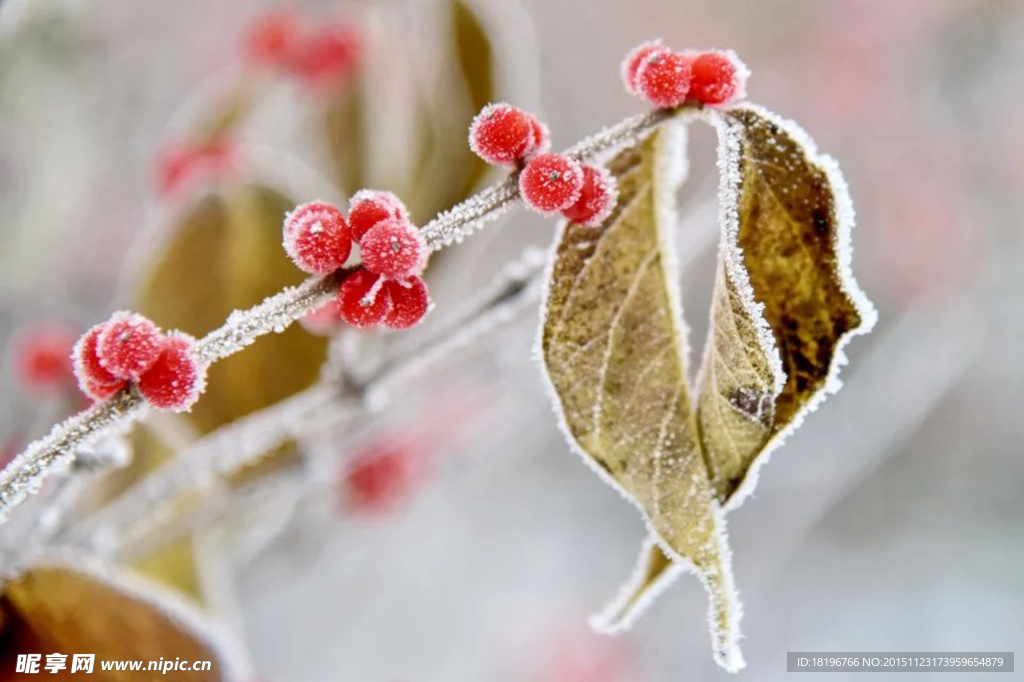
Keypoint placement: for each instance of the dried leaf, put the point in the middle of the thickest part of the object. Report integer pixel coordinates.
(58, 608)
(225, 254)
(785, 304)
(612, 344)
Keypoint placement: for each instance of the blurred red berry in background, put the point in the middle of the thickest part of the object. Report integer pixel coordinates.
(381, 475)
(327, 55)
(42, 356)
(325, 320)
(271, 39)
(179, 166)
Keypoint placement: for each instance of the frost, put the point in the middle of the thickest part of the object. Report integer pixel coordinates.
(637, 593)
(730, 181)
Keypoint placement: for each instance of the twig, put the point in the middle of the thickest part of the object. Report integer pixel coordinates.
(26, 473)
(248, 438)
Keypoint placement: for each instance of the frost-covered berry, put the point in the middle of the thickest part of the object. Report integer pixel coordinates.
(501, 134)
(128, 345)
(100, 391)
(409, 302)
(718, 78)
(176, 379)
(597, 198)
(663, 78)
(631, 64)
(367, 207)
(42, 357)
(551, 182)
(316, 237)
(541, 138)
(362, 300)
(393, 248)
(93, 378)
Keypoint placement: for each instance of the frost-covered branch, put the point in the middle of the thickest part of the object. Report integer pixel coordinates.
(245, 440)
(27, 472)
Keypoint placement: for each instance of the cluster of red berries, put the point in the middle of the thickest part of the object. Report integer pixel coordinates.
(387, 288)
(130, 348)
(666, 78)
(549, 183)
(319, 56)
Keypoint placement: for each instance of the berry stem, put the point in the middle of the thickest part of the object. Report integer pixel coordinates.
(26, 472)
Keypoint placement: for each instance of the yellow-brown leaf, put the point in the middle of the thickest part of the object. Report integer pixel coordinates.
(612, 346)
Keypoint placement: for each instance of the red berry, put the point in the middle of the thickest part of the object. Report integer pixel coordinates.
(176, 379)
(328, 55)
(370, 206)
(631, 64)
(540, 141)
(93, 378)
(551, 182)
(717, 78)
(324, 319)
(409, 302)
(663, 78)
(316, 237)
(597, 198)
(501, 134)
(362, 301)
(393, 248)
(100, 392)
(128, 345)
(380, 476)
(271, 38)
(42, 356)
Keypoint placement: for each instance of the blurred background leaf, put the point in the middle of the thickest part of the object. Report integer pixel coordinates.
(225, 254)
(59, 610)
